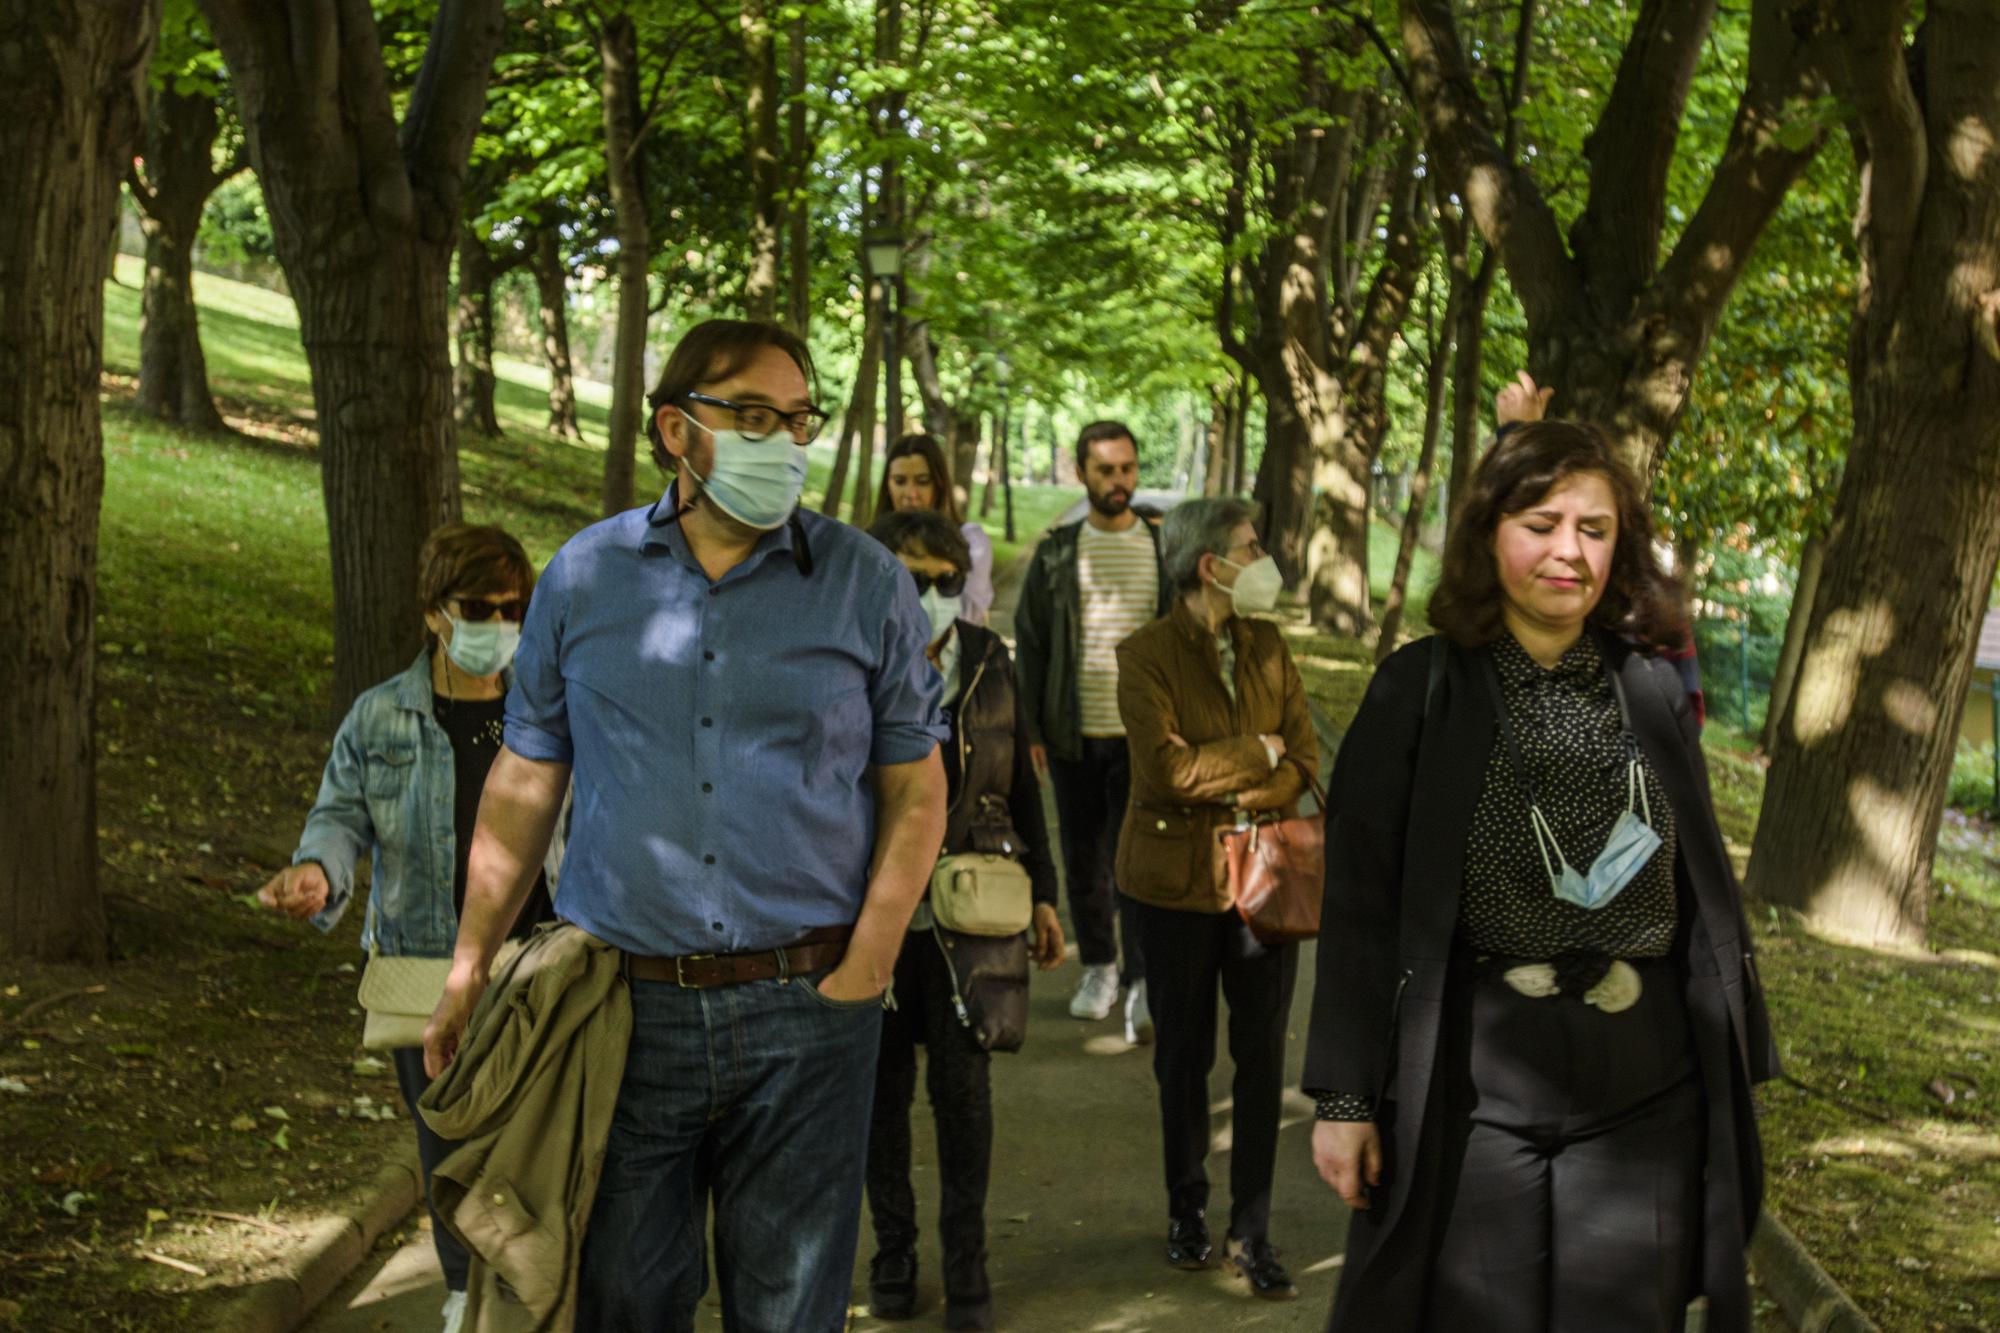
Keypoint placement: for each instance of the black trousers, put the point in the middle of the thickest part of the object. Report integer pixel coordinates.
(956, 1076)
(1090, 805)
(1575, 1204)
(410, 1077)
(1188, 953)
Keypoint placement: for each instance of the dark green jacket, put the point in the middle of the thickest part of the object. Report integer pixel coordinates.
(1048, 639)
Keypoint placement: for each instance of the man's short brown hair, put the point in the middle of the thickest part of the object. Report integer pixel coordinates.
(711, 352)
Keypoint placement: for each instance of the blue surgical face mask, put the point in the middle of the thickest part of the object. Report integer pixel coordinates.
(755, 482)
(1631, 844)
(482, 647)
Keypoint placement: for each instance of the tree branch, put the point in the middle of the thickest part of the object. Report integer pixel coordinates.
(449, 99)
(1617, 240)
(1511, 214)
(1876, 76)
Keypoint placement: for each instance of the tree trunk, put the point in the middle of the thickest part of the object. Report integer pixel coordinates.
(859, 419)
(552, 297)
(1863, 758)
(1215, 478)
(1468, 389)
(863, 506)
(618, 57)
(1001, 446)
(70, 105)
(179, 175)
(765, 151)
(798, 243)
(363, 214)
(993, 458)
(472, 378)
(1420, 484)
(1812, 558)
(964, 455)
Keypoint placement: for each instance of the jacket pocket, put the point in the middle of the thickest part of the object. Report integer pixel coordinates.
(499, 1228)
(1157, 851)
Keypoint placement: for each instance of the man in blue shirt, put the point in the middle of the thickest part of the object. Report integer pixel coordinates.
(740, 693)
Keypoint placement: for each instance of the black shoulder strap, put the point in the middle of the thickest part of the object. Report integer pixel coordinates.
(1437, 672)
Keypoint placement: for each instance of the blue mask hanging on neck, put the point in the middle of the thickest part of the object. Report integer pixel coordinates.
(1631, 844)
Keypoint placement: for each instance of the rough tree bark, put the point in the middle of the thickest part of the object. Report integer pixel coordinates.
(72, 93)
(1613, 327)
(765, 150)
(171, 183)
(798, 152)
(1863, 756)
(1216, 476)
(472, 376)
(552, 300)
(364, 213)
(618, 88)
(1438, 372)
(1812, 559)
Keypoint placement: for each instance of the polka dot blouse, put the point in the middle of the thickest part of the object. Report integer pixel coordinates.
(1567, 724)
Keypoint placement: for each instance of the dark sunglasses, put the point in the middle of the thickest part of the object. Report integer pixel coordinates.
(478, 608)
(948, 585)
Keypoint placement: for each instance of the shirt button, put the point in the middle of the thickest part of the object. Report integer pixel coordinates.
(709, 859)
(708, 722)
(708, 787)
(715, 925)
(708, 655)
(713, 591)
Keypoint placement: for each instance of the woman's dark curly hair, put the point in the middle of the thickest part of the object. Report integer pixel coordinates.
(1641, 601)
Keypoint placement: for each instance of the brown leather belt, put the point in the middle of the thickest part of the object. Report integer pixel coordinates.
(812, 951)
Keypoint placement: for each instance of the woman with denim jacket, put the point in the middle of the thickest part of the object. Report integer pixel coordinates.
(403, 785)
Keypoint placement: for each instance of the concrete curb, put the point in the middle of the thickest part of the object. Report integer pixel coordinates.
(331, 1248)
(1811, 1299)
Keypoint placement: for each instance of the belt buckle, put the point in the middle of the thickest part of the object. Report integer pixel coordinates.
(680, 976)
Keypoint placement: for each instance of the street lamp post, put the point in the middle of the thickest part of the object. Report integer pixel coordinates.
(885, 264)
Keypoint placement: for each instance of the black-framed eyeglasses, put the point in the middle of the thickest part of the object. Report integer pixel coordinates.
(479, 608)
(948, 585)
(758, 421)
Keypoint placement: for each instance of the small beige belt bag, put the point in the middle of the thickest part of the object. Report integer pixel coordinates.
(979, 893)
(399, 995)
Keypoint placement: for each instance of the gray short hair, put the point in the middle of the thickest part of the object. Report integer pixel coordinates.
(1195, 528)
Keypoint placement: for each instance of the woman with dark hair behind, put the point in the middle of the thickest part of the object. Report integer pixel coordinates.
(959, 996)
(1533, 1049)
(916, 477)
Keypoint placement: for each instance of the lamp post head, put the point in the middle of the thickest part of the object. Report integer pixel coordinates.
(884, 252)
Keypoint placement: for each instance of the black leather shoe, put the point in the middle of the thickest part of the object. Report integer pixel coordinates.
(1188, 1246)
(1257, 1263)
(892, 1284)
(968, 1294)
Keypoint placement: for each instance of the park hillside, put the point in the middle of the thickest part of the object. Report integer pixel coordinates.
(285, 284)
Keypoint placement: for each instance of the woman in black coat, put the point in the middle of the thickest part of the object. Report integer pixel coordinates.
(1537, 1020)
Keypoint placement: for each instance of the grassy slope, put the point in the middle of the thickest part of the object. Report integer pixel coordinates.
(214, 615)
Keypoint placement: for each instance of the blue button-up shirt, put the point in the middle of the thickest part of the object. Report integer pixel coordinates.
(721, 732)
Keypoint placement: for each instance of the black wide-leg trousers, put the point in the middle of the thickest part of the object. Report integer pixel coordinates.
(1575, 1202)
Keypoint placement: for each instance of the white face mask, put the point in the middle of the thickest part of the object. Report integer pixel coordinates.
(755, 482)
(482, 647)
(1257, 586)
(942, 610)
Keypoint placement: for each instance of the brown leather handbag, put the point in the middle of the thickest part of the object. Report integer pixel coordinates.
(1277, 872)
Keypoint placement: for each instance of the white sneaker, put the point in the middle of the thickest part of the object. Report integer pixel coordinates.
(1138, 1016)
(454, 1311)
(1097, 994)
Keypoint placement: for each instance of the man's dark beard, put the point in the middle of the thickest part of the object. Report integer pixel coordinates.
(1110, 504)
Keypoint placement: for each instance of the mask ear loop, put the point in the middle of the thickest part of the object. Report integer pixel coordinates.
(1540, 824)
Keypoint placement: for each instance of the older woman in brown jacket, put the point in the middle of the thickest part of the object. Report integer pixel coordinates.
(1216, 720)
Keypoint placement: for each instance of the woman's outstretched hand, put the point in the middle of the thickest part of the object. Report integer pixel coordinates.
(1348, 1155)
(299, 891)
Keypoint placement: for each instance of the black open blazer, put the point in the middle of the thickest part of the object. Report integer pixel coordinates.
(1399, 810)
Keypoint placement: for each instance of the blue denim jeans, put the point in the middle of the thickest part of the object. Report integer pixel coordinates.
(756, 1096)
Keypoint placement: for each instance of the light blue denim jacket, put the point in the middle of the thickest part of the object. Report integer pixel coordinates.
(388, 790)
